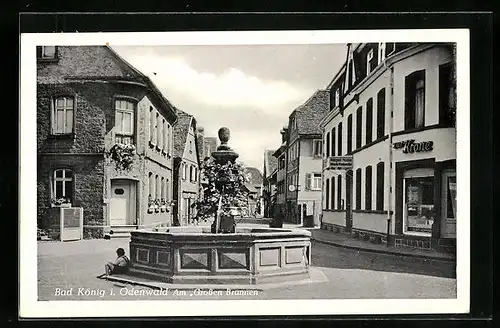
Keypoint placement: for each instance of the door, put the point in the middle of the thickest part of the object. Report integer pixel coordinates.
(348, 201)
(122, 203)
(449, 206)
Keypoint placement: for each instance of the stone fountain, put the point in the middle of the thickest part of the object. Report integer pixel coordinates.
(197, 255)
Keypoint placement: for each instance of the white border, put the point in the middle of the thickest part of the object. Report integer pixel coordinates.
(30, 307)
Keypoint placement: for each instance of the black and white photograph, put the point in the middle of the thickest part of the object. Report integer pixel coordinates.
(244, 173)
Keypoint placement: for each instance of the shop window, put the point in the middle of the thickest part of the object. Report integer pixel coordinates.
(124, 122)
(381, 113)
(368, 188)
(339, 150)
(349, 134)
(358, 189)
(62, 185)
(451, 197)
(62, 115)
(418, 209)
(339, 192)
(380, 187)
(415, 100)
(327, 194)
(333, 141)
(332, 193)
(359, 126)
(327, 146)
(369, 120)
(447, 95)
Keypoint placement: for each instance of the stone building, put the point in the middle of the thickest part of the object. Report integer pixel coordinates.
(304, 149)
(104, 141)
(254, 189)
(269, 180)
(390, 145)
(186, 167)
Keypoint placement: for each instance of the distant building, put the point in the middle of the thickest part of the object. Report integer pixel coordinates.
(254, 188)
(186, 168)
(209, 146)
(281, 155)
(393, 118)
(269, 183)
(304, 149)
(92, 107)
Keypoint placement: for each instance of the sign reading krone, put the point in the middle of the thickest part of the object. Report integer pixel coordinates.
(410, 146)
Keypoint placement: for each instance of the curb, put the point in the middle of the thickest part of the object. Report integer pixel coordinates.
(426, 257)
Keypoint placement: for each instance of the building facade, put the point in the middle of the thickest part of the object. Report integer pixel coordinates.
(101, 124)
(304, 159)
(281, 155)
(390, 145)
(186, 168)
(254, 189)
(269, 180)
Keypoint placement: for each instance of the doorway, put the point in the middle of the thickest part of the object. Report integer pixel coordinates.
(122, 203)
(449, 204)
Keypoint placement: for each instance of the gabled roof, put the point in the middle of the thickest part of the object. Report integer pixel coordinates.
(255, 177)
(270, 162)
(310, 114)
(181, 130)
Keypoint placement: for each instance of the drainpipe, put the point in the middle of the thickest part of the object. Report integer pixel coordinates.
(391, 108)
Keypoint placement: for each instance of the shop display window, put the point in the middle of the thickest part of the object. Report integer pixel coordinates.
(418, 209)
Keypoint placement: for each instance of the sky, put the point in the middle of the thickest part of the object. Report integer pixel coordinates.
(251, 89)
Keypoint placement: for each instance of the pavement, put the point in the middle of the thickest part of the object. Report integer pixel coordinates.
(346, 241)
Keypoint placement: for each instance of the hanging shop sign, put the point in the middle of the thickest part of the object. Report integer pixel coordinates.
(410, 146)
(339, 163)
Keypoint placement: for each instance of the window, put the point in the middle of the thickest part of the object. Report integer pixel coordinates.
(415, 100)
(318, 145)
(63, 115)
(165, 136)
(332, 194)
(447, 95)
(152, 137)
(190, 146)
(337, 97)
(339, 192)
(191, 173)
(167, 193)
(327, 145)
(162, 188)
(157, 133)
(47, 52)
(62, 186)
(349, 134)
(368, 188)
(359, 125)
(418, 210)
(169, 139)
(315, 181)
(381, 52)
(369, 62)
(333, 141)
(327, 192)
(195, 174)
(358, 189)
(184, 171)
(381, 113)
(158, 187)
(380, 187)
(160, 133)
(369, 121)
(339, 152)
(124, 122)
(151, 185)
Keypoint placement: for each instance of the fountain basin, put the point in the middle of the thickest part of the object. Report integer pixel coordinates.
(194, 255)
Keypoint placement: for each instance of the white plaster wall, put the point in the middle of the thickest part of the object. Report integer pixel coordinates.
(337, 218)
(308, 164)
(370, 221)
(429, 60)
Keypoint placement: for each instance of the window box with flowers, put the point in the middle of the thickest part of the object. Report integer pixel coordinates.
(60, 202)
(123, 155)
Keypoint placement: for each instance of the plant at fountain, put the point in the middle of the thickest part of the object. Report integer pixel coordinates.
(224, 194)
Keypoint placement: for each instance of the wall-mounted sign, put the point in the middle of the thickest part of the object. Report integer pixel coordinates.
(410, 146)
(339, 163)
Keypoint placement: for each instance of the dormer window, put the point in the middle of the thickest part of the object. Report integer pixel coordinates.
(337, 97)
(381, 52)
(370, 65)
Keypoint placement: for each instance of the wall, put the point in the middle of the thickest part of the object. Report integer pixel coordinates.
(334, 217)
(370, 222)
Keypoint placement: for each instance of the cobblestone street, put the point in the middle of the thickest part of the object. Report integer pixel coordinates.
(348, 274)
